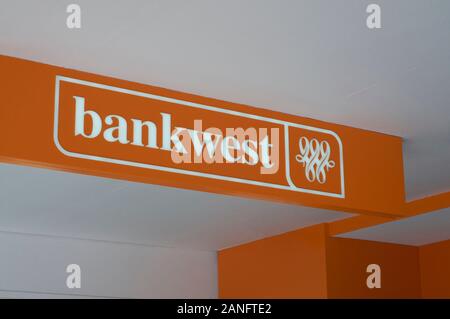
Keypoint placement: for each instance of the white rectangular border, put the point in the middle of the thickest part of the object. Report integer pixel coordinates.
(286, 125)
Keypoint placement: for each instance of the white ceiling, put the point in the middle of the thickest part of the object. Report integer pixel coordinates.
(46, 202)
(312, 58)
(416, 231)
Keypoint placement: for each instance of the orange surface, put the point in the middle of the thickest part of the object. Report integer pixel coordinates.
(407, 271)
(308, 264)
(291, 265)
(347, 261)
(435, 270)
(373, 183)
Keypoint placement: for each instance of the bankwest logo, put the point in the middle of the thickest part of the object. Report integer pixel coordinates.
(115, 125)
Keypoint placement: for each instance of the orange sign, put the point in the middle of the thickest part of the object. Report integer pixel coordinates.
(110, 124)
(80, 122)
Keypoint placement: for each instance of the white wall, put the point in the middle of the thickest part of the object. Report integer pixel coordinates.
(35, 266)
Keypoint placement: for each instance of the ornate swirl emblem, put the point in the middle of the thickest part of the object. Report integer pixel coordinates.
(315, 158)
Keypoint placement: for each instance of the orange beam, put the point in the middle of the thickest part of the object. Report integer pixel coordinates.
(427, 204)
(370, 168)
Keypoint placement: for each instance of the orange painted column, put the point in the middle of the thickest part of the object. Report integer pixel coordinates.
(347, 261)
(306, 263)
(291, 265)
(435, 270)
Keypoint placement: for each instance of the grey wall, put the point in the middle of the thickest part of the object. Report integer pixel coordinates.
(34, 266)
